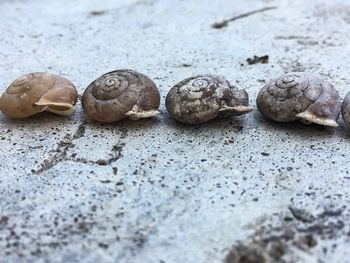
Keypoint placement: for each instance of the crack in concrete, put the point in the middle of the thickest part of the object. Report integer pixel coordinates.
(61, 150)
(80, 131)
(116, 155)
(116, 152)
(67, 143)
(224, 23)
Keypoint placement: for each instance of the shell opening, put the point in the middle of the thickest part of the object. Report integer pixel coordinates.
(59, 108)
(235, 111)
(137, 113)
(307, 117)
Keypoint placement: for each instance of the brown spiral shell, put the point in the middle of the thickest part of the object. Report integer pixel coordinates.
(346, 109)
(37, 92)
(204, 97)
(121, 94)
(300, 96)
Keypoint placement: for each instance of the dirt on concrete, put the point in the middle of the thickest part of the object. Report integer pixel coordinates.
(298, 230)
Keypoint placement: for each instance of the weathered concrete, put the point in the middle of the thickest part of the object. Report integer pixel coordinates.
(156, 190)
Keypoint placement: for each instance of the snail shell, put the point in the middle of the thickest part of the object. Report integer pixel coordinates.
(37, 92)
(346, 109)
(201, 98)
(300, 96)
(121, 94)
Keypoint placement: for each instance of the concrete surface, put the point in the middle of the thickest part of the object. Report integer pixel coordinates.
(155, 190)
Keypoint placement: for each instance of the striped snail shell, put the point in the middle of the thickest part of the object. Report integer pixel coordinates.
(300, 96)
(37, 92)
(201, 98)
(121, 94)
(346, 109)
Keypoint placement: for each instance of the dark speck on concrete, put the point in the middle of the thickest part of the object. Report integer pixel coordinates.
(3, 220)
(257, 59)
(97, 13)
(302, 215)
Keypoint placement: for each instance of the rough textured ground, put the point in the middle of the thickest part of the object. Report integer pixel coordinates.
(155, 190)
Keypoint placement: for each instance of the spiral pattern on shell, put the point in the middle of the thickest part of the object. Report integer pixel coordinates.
(121, 94)
(201, 98)
(20, 85)
(299, 96)
(201, 87)
(36, 92)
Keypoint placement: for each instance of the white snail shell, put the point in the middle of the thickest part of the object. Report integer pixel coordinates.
(300, 96)
(37, 92)
(201, 98)
(121, 94)
(346, 109)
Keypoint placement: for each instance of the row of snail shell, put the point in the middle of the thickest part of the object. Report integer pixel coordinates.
(36, 92)
(303, 97)
(122, 94)
(205, 97)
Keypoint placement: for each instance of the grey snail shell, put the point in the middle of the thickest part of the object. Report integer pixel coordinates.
(204, 97)
(121, 94)
(346, 109)
(36, 92)
(300, 96)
